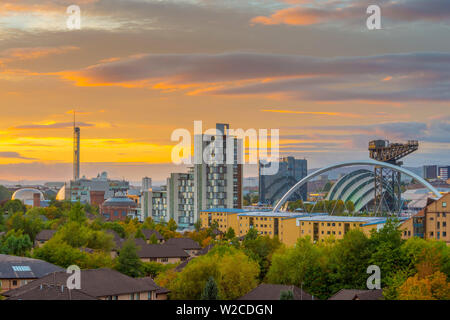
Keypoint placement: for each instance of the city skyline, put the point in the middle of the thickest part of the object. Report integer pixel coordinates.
(136, 72)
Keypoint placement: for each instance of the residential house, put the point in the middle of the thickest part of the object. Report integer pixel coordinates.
(103, 284)
(149, 233)
(162, 253)
(353, 294)
(190, 246)
(43, 236)
(18, 271)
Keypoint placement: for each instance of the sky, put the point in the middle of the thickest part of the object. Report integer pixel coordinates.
(139, 69)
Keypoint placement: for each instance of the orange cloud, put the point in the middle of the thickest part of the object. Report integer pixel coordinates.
(19, 54)
(321, 113)
(292, 16)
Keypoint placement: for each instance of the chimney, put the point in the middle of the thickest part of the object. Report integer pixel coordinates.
(36, 200)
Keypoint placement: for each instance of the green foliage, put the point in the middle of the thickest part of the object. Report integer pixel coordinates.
(153, 269)
(128, 261)
(252, 234)
(287, 295)
(117, 227)
(29, 224)
(234, 273)
(301, 265)
(77, 213)
(230, 234)
(210, 291)
(172, 225)
(153, 239)
(261, 250)
(198, 225)
(60, 253)
(15, 243)
(13, 206)
(5, 194)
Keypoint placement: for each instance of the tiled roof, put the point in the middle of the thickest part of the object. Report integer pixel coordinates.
(13, 267)
(184, 243)
(159, 290)
(273, 292)
(95, 282)
(52, 292)
(45, 235)
(355, 294)
(161, 251)
(148, 234)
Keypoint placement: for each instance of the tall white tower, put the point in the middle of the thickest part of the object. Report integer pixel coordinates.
(76, 150)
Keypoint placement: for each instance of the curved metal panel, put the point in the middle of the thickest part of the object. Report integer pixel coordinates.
(356, 163)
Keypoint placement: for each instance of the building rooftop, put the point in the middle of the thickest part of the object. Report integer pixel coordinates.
(13, 267)
(227, 210)
(273, 292)
(148, 234)
(280, 214)
(119, 202)
(355, 294)
(95, 282)
(52, 292)
(162, 251)
(184, 243)
(45, 235)
(327, 218)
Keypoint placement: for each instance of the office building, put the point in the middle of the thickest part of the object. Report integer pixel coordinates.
(430, 172)
(443, 172)
(273, 187)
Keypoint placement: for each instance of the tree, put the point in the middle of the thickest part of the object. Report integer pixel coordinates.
(153, 239)
(198, 225)
(60, 253)
(172, 225)
(431, 287)
(234, 273)
(286, 295)
(210, 291)
(261, 250)
(252, 234)
(15, 243)
(30, 224)
(128, 261)
(304, 265)
(77, 213)
(13, 206)
(5, 194)
(230, 234)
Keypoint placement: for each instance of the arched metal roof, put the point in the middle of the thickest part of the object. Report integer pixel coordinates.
(356, 163)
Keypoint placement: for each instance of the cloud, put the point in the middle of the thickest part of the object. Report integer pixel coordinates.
(14, 155)
(19, 54)
(55, 125)
(352, 11)
(413, 76)
(319, 113)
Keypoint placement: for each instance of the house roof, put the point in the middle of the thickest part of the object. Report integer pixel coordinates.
(45, 235)
(52, 292)
(182, 265)
(148, 234)
(161, 251)
(355, 294)
(159, 290)
(95, 282)
(184, 243)
(13, 267)
(205, 250)
(267, 291)
(225, 210)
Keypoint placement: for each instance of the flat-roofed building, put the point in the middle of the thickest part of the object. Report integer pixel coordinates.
(225, 218)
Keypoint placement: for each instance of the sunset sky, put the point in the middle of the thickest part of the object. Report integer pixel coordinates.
(139, 69)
